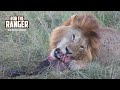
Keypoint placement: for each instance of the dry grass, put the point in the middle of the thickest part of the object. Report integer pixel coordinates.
(18, 49)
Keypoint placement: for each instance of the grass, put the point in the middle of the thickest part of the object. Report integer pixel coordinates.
(28, 48)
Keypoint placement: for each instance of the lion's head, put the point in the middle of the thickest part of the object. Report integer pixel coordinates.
(76, 38)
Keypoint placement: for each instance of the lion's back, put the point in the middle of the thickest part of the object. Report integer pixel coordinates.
(109, 46)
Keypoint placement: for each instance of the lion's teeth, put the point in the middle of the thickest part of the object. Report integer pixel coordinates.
(58, 56)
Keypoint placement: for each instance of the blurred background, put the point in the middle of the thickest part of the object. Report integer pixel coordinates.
(28, 48)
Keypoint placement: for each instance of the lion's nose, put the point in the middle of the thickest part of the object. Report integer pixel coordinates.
(67, 51)
(56, 53)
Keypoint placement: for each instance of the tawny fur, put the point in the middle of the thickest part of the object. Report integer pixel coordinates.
(103, 43)
(86, 22)
(56, 36)
(89, 24)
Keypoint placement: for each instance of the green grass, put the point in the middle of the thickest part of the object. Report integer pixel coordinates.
(28, 48)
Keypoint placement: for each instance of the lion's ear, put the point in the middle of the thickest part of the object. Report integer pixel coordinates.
(76, 21)
(86, 22)
(71, 20)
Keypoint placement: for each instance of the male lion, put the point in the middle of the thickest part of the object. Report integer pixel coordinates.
(79, 41)
(83, 39)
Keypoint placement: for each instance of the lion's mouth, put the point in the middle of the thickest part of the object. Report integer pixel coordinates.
(62, 60)
(58, 54)
(61, 56)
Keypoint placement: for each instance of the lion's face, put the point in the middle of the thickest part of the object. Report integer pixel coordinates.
(77, 38)
(73, 44)
(70, 42)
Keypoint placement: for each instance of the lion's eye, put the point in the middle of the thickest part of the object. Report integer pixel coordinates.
(73, 36)
(81, 48)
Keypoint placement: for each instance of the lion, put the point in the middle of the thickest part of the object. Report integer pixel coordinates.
(83, 39)
(79, 41)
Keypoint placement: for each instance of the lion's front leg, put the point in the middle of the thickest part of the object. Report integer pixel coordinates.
(77, 65)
